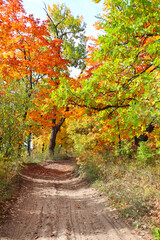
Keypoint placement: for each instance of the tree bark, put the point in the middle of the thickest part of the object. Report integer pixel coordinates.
(43, 147)
(29, 144)
(144, 137)
(54, 130)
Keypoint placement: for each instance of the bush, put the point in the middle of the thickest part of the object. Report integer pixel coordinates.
(91, 165)
(144, 154)
(156, 233)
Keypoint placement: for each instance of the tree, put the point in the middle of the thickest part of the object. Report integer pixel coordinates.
(121, 89)
(12, 126)
(96, 1)
(71, 30)
(63, 25)
(26, 55)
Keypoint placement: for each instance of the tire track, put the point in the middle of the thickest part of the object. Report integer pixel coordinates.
(62, 210)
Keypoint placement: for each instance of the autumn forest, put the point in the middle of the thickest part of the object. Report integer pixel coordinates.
(108, 114)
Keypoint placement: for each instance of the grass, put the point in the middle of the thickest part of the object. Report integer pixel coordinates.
(131, 187)
(134, 191)
(8, 192)
(37, 157)
(8, 177)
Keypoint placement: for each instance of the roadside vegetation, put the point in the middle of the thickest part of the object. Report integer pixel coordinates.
(130, 187)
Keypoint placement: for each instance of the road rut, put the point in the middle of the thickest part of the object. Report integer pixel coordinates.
(62, 209)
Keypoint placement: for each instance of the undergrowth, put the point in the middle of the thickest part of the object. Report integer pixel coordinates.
(131, 187)
(8, 182)
(8, 192)
(38, 157)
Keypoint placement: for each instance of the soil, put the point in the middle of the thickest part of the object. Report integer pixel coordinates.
(54, 203)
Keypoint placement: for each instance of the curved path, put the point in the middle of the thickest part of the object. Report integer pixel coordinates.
(54, 204)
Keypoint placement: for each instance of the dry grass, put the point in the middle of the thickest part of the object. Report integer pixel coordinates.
(134, 191)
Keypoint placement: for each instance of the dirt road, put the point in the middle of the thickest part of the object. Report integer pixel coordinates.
(54, 204)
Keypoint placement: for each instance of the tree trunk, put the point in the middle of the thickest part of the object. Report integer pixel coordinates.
(54, 130)
(144, 137)
(1, 144)
(119, 136)
(52, 142)
(29, 144)
(43, 147)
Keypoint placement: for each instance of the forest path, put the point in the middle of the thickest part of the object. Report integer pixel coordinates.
(55, 204)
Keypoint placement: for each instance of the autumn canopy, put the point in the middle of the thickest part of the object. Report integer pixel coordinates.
(103, 110)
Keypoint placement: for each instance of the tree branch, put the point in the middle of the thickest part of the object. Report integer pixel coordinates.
(55, 26)
(101, 108)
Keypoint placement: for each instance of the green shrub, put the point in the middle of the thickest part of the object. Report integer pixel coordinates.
(144, 154)
(156, 233)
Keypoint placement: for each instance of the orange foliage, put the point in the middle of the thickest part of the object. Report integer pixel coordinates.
(26, 55)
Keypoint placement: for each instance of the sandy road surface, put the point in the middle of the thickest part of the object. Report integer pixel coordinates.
(58, 206)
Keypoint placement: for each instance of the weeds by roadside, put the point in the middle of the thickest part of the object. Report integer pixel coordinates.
(134, 192)
(38, 157)
(8, 177)
(8, 193)
(131, 187)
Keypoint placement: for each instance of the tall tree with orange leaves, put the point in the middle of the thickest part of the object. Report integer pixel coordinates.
(26, 55)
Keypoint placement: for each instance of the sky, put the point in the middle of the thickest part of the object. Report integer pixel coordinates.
(86, 8)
